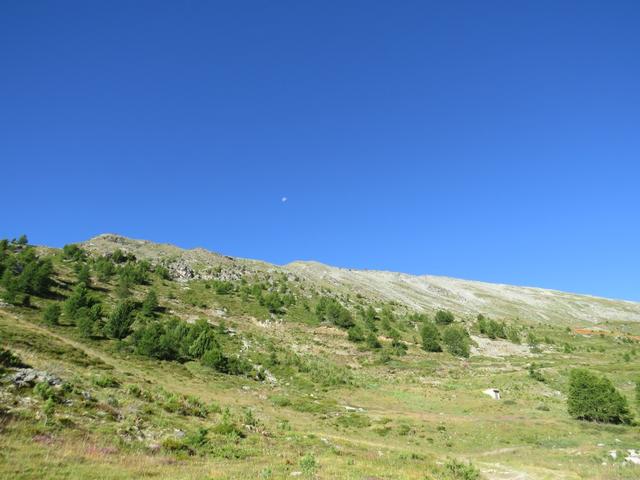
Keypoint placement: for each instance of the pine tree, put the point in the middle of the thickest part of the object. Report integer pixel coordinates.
(119, 322)
(150, 304)
(84, 275)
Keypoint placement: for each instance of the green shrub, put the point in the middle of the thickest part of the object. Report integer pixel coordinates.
(330, 310)
(105, 381)
(355, 334)
(457, 340)
(353, 420)
(51, 314)
(513, 335)
(372, 341)
(444, 317)
(222, 287)
(44, 391)
(9, 359)
(272, 301)
(594, 398)
(49, 409)
(456, 470)
(227, 426)
(534, 373)
(308, 464)
(430, 337)
(73, 252)
(217, 360)
(492, 328)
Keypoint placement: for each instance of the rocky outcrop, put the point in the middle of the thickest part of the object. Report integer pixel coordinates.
(28, 377)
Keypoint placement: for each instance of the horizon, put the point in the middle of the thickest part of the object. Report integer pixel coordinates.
(496, 142)
(365, 269)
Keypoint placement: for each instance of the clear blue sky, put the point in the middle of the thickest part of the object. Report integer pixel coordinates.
(496, 141)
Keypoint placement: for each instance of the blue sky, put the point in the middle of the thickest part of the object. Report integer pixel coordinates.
(495, 141)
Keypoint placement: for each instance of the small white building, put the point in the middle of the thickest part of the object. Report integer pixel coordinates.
(493, 393)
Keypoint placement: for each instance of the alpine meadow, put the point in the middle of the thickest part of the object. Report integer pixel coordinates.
(125, 358)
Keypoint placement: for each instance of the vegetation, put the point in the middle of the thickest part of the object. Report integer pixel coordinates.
(250, 373)
(330, 310)
(457, 341)
(594, 398)
(444, 317)
(23, 273)
(431, 337)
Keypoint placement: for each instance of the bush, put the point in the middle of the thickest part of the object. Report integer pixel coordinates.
(444, 317)
(457, 340)
(44, 391)
(217, 360)
(355, 334)
(106, 381)
(372, 341)
(227, 426)
(222, 287)
(308, 464)
(595, 399)
(51, 314)
(330, 310)
(430, 337)
(494, 329)
(9, 359)
(154, 340)
(273, 301)
(535, 374)
(73, 252)
(456, 470)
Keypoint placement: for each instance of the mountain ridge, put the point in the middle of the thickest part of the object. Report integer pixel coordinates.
(415, 292)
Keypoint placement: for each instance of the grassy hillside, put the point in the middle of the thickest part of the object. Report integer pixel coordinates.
(242, 369)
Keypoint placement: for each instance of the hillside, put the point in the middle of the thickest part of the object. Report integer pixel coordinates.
(124, 358)
(426, 292)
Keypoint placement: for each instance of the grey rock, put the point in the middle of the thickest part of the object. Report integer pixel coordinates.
(27, 377)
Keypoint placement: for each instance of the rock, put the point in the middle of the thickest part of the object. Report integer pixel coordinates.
(493, 393)
(155, 447)
(349, 408)
(181, 270)
(27, 377)
(633, 457)
(296, 474)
